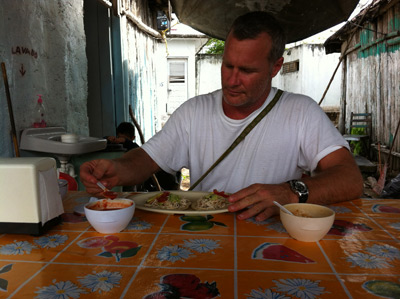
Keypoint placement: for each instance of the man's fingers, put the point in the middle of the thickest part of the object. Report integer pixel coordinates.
(261, 210)
(243, 193)
(242, 203)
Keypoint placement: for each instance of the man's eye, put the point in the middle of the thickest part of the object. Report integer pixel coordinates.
(247, 71)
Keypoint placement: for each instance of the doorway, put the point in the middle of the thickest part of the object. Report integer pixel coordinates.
(103, 50)
(177, 83)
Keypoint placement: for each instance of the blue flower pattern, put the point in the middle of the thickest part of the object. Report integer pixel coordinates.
(266, 294)
(270, 224)
(137, 224)
(51, 241)
(60, 290)
(367, 261)
(17, 248)
(24, 247)
(340, 209)
(173, 253)
(395, 225)
(384, 251)
(102, 282)
(299, 288)
(202, 245)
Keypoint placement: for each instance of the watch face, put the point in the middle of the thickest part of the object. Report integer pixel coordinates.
(301, 187)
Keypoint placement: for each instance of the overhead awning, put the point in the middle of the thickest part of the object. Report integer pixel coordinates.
(371, 12)
(300, 18)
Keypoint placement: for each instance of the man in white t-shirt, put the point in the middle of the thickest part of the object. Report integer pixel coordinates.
(294, 138)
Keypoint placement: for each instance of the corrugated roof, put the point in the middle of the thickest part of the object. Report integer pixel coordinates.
(333, 43)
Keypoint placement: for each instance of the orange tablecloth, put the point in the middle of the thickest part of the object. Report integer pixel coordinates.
(207, 257)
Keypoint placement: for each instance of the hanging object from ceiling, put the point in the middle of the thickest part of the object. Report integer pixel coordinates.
(300, 18)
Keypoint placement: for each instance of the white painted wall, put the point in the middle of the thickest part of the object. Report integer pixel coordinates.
(316, 69)
(42, 44)
(315, 72)
(182, 47)
(208, 76)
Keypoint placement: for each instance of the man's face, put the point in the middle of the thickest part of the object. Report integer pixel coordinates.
(246, 72)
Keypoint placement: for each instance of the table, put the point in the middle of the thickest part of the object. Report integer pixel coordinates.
(206, 256)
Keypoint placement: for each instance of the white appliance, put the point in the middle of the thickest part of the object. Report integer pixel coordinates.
(30, 200)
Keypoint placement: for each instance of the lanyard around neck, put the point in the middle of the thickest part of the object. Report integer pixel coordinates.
(242, 135)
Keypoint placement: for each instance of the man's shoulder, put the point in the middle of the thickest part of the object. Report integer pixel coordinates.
(204, 100)
(299, 100)
(296, 96)
(214, 95)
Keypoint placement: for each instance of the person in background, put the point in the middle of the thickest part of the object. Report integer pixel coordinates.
(294, 138)
(125, 136)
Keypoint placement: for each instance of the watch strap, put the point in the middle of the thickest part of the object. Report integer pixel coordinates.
(302, 192)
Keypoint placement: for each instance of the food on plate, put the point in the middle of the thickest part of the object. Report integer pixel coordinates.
(167, 200)
(213, 201)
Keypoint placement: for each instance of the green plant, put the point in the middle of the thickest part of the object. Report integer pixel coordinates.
(215, 46)
(357, 146)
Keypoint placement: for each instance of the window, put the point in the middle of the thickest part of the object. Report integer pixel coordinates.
(291, 67)
(177, 72)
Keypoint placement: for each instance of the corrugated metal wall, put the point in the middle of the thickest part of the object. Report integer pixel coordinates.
(139, 66)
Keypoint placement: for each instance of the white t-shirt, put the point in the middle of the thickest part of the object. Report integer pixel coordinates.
(292, 138)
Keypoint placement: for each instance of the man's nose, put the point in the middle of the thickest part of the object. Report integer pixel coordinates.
(234, 77)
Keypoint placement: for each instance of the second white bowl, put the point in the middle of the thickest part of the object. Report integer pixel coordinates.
(310, 223)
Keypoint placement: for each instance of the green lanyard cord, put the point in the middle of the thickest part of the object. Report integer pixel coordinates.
(242, 135)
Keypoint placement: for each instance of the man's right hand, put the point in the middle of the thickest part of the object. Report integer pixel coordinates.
(98, 170)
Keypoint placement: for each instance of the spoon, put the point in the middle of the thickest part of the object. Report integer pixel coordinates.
(282, 207)
(107, 193)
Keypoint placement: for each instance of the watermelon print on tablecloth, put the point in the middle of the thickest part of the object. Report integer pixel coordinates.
(379, 208)
(343, 227)
(279, 252)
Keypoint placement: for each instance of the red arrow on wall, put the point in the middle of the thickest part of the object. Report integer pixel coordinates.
(22, 70)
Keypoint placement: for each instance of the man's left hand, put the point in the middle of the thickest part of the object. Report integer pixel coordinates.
(257, 200)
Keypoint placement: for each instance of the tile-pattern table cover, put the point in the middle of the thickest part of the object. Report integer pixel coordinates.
(209, 256)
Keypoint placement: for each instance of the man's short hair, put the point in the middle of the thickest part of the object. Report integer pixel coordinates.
(127, 129)
(250, 25)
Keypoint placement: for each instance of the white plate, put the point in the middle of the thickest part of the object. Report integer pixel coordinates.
(140, 200)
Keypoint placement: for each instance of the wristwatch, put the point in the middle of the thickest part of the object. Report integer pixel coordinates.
(300, 188)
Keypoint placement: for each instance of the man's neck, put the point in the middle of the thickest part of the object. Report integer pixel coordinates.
(240, 112)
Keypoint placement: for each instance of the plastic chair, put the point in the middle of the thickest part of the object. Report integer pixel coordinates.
(361, 124)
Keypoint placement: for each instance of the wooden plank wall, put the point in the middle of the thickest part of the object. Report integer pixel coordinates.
(372, 75)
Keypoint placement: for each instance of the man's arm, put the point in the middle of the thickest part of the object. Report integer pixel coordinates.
(132, 168)
(337, 178)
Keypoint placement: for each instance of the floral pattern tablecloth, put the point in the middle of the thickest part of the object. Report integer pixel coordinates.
(210, 256)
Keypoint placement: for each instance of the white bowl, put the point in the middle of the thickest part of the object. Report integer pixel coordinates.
(312, 224)
(109, 216)
(69, 138)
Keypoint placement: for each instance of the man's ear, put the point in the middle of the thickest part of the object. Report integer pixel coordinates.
(276, 67)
